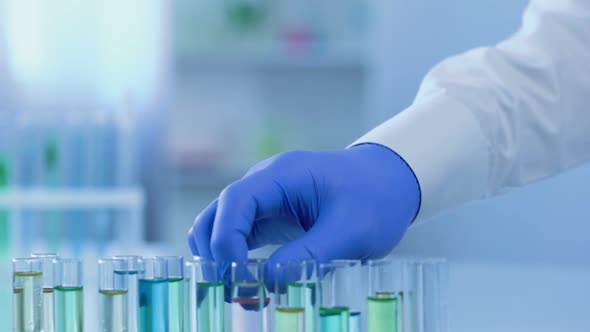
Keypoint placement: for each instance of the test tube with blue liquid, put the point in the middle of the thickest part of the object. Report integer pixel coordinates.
(69, 296)
(250, 301)
(175, 267)
(206, 296)
(27, 282)
(131, 273)
(153, 295)
(113, 294)
(296, 297)
(48, 266)
(340, 282)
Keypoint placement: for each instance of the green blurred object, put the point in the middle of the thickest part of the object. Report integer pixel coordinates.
(51, 154)
(246, 15)
(4, 214)
(269, 143)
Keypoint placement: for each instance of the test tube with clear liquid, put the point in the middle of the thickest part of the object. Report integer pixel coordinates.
(113, 295)
(153, 295)
(296, 297)
(69, 296)
(48, 266)
(131, 273)
(249, 297)
(27, 281)
(175, 267)
(206, 296)
(340, 307)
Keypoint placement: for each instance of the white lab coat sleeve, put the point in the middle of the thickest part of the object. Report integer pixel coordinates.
(500, 117)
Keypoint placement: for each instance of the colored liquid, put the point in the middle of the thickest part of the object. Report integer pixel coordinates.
(334, 319)
(355, 322)
(382, 313)
(303, 295)
(290, 319)
(69, 309)
(153, 305)
(175, 305)
(48, 323)
(249, 303)
(4, 215)
(210, 304)
(27, 301)
(113, 311)
(132, 299)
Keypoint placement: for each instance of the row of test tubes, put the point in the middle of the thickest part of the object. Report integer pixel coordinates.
(149, 294)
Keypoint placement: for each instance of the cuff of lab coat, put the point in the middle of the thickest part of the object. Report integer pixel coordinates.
(443, 144)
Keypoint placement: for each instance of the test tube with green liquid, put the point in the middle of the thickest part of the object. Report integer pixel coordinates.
(69, 296)
(249, 301)
(48, 267)
(4, 214)
(131, 273)
(113, 295)
(296, 297)
(385, 296)
(27, 281)
(206, 296)
(175, 267)
(153, 295)
(339, 283)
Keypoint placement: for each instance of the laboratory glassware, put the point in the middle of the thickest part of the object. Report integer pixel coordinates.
(175, 266)
(249, 297)
(48, 267)
(153, 295)
(69, 295)
(113, 295)
(27, 281)
(296, 297)
(386, 295)
(340, 285)
(429, 295)
(131, 273)
(206, 296)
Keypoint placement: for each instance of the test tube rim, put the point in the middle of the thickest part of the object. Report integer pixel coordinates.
(29, 264)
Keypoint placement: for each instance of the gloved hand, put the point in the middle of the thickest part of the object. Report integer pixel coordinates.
(345, 204)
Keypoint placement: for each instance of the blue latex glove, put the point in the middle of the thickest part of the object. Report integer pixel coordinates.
(345, 204)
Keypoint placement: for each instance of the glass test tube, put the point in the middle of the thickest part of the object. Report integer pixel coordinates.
(429, 298)
(249, 302)
(175, 267)
(385, 295)
(340, 285)
(27, 304)
(48, 268)
(113, 295)
(131, 273)
(206, 296)
(296, 297)
(153, 295)
(69, 297)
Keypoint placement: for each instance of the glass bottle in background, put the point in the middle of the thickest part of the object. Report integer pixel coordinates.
(48, 267)
(249, 297)
(6, 164)
(153, 295)
(27, 280)
(69, 296)
(175, 268)
(98, 164)
(113, 295)
(206, 296)
(131, 273)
